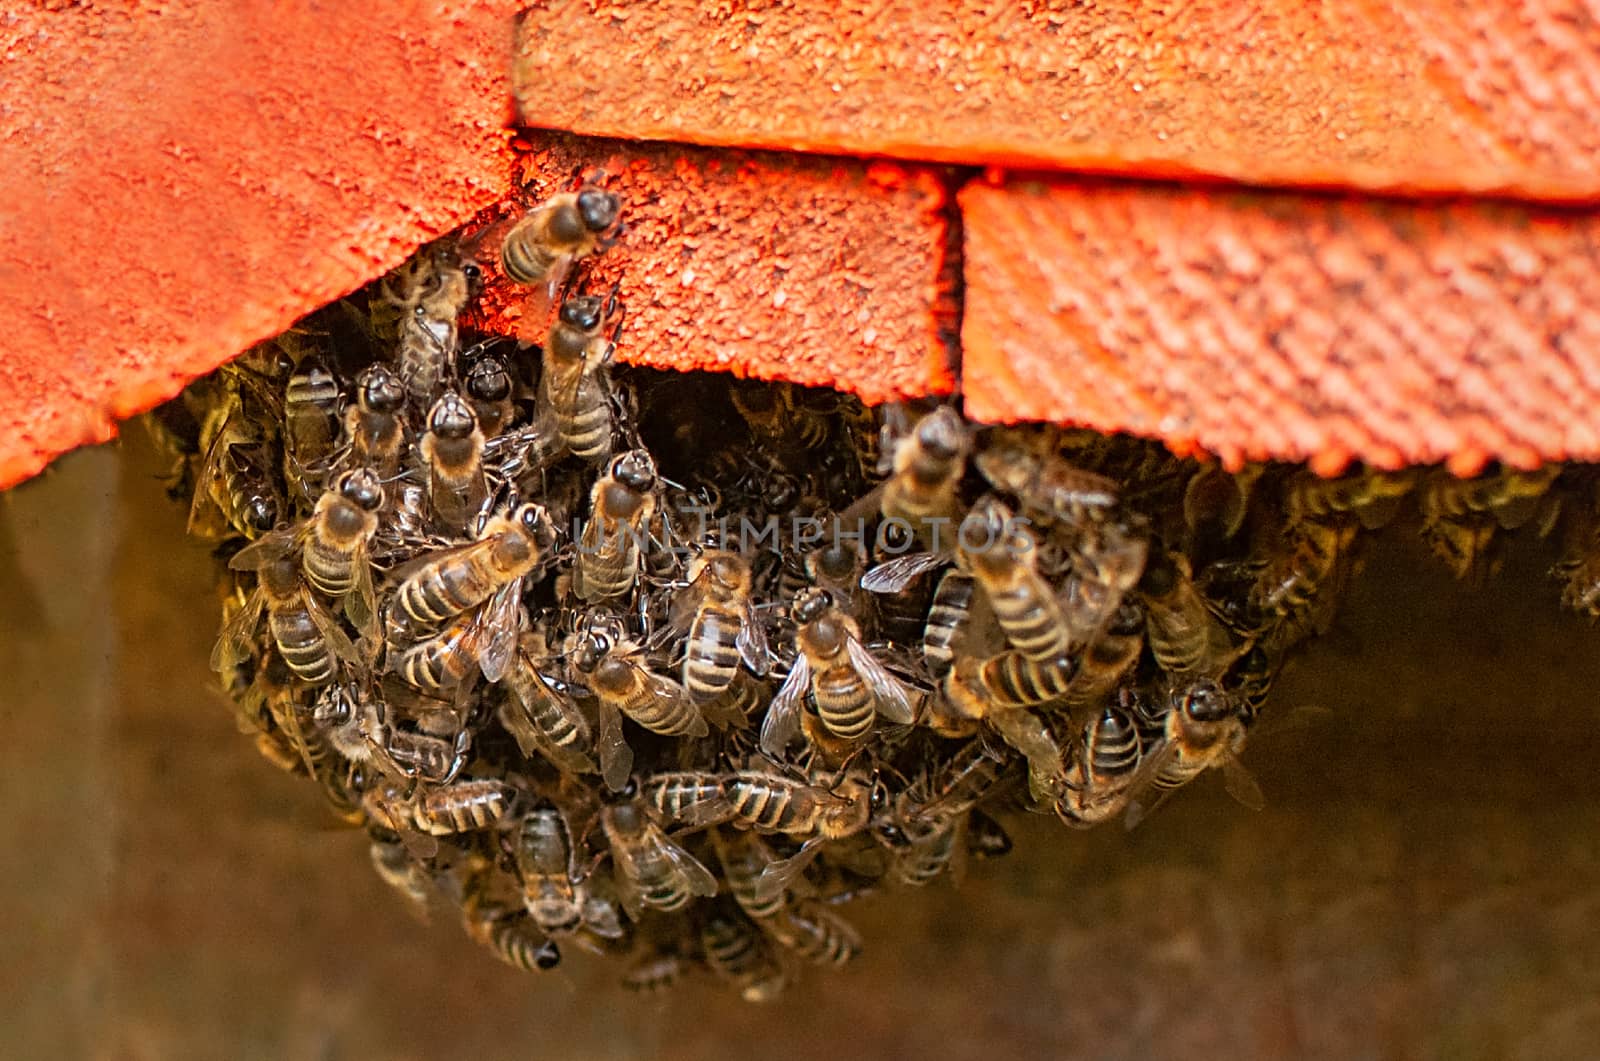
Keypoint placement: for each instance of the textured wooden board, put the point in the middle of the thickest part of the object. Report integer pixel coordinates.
(1255, 325)
(1492, 96)
(185, 180)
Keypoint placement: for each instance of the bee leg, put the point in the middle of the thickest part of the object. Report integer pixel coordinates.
(463, 742)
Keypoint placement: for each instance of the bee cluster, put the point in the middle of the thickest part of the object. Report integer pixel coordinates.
(668, 667)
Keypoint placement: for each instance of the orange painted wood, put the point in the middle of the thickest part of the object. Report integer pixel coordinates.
(1483, 96)
(820, 271)
(183, 180)
(1257, 325)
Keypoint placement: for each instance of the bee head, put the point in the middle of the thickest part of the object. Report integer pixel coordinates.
(261, 514)
(361, 488)
(811, 605)
(533, 519)
(940, 433)
(634, 470)
(583, 312)
(1205, 702)
(379, 390)
(451, 417)
(598, 208)
(488, 380)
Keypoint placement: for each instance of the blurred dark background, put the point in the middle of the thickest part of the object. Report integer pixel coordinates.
(1425, 882)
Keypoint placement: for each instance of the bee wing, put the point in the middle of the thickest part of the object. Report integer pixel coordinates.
(339, 642)
(499, 620)
(600, 917)
(1241, 784)
(267, 548)
(204, 513)
(361, 603)
(627, 890)
(290, 721)
(233, 643)
(779, 875)
(752, 643)
(894, 575)
(783, 716)
(1135, 796)
(699, 879)
(616, 758)
(893, 698)
(705, 813)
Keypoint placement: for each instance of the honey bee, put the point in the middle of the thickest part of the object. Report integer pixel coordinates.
(452, 448)
(654, 972)
(374, 424)
(725, 630)
(653, 870)
(929, 826)
(424, 757)
(686, 797)
(444, 810)
(1108, 658)
(864, 427)
(509, 546)
(574, 389)
(771, 802)
(1216, 502)
(562, 230)
(1050, 489)
(396, 868)
(946, 617)
(451, 581)
(1204, 727)
(444, 663)
(1372, 497)
(928, 465)
(617, 673)
(234, 480)
(1106, 563)
(311, 425)
(542, 718)
(308, 638)
(737, 953)
(779, 415)
(1461, 518)
(844, 678)
(1184, 636)
(745, 859)
(1302, 577)
(333, 545)
(558, 903)
(817, 934)
(1004, 566)
(621, 507)
(997, 690)
(489, 388)
(1579, 566)
(429, 292)
(511, 936)
(1101, 771)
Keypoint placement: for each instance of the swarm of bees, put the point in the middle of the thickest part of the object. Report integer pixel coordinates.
(668, 668)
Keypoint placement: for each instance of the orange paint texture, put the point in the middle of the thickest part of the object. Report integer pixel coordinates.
(1260, 326)
(1494, 96)
(183, 180)
(820, 271)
